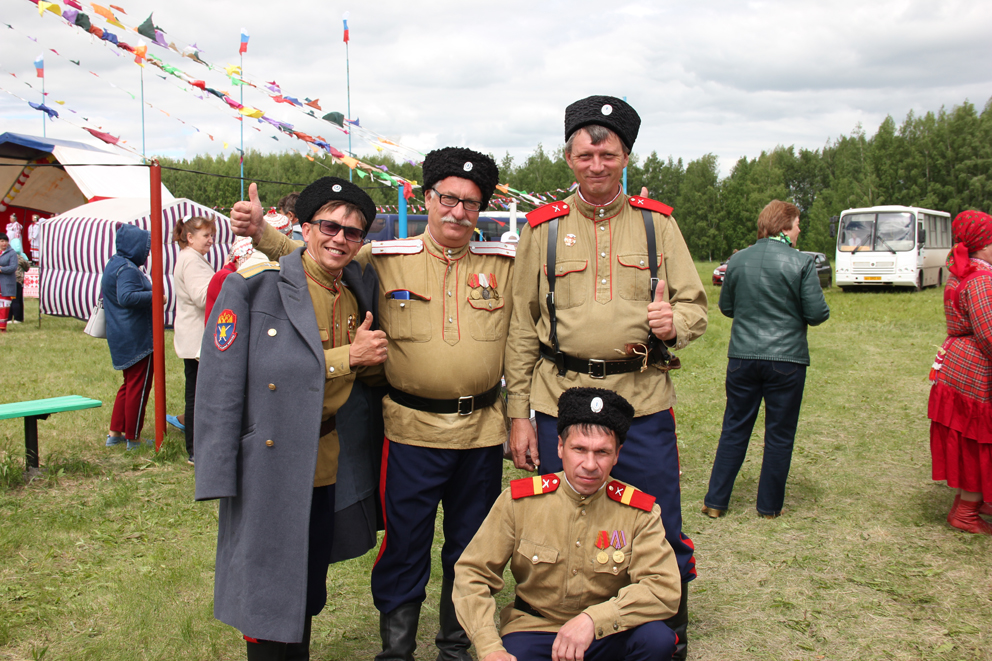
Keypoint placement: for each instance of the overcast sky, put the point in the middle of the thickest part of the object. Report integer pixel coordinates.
(728, 77)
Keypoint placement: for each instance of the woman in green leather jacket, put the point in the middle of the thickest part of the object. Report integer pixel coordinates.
(772, 293)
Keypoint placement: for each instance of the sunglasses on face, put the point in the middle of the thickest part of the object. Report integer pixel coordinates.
(330, 228)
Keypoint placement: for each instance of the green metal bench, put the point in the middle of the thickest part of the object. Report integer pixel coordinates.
(40, 409)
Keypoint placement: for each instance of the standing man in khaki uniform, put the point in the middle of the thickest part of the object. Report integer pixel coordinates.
(444, 305)
(594, 574)
(622, 297)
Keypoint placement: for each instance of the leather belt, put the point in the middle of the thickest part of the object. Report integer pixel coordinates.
(597, 369)
(524, 607)
(461, 406)
(327, 426)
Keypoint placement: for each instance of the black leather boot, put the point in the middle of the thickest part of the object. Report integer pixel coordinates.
(300, 651)
(678, 623)
(452, 641)
(266, 650)
(398, 630)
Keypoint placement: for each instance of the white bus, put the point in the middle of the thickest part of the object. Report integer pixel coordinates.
(891, 246)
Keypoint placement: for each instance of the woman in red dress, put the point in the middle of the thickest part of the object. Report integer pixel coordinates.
(960, 409)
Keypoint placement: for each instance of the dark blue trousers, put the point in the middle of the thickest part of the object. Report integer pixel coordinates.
(321, 540)
(413, 481)
(649, 460)
(781, 385)
(652, 641)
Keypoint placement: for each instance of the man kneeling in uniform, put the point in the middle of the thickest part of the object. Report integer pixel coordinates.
(595, 575)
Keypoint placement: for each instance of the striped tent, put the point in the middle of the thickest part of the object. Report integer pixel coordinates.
(76, 246)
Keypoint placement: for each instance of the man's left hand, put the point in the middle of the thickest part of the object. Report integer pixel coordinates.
(573, 639)
(661, 319)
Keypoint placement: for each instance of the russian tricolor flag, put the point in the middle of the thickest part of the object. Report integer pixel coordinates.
(39, 65)
(346, 37)
(244, 42)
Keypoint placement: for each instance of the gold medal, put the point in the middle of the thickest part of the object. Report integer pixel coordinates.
(618, 557)
(602, 558)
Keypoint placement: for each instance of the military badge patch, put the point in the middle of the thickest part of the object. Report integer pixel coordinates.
(226, 330)
(570, 240)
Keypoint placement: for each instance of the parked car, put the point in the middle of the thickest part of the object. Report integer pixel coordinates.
(823, 271)
(822, 268)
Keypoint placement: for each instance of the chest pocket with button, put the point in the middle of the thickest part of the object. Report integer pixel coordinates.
(570, 285)
(613, 570)
(537, 553)
(633, 277)
(485, 320)
(406, 319)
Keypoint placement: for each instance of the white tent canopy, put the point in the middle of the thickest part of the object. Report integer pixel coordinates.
(86, 172)
(76, 246)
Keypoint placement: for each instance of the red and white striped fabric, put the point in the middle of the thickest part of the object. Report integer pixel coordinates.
(76, 246)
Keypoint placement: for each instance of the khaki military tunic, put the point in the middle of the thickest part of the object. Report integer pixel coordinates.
(602, 291)
(446, 340)
(550, 541)
(337, 318)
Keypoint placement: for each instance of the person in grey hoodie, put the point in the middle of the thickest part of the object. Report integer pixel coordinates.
(127, 305)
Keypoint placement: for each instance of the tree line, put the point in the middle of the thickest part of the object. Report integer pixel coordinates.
(940, 160)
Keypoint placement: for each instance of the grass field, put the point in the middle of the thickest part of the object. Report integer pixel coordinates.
(106, 556)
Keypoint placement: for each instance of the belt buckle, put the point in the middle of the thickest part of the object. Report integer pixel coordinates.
(466, 405)
(597, 369)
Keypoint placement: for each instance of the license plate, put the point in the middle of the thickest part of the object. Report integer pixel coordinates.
(873, 277)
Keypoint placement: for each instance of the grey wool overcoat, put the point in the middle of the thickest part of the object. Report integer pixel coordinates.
(256, 445)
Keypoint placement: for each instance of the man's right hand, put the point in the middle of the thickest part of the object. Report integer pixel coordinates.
(247, 218)
(500, 656)
(523, 444)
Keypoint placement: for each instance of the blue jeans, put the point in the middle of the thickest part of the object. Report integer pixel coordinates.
(748, 382)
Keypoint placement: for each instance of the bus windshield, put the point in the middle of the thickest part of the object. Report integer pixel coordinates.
(884, 232)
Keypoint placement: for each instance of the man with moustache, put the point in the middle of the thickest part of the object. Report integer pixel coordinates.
(605, 287)
(444, 305)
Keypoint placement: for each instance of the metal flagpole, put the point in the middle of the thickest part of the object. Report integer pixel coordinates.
(143, 154)
(347, 68)
(44, 115)
(242, 88)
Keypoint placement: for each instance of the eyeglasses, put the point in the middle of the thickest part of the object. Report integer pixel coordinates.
(330, 228)
(451, 201)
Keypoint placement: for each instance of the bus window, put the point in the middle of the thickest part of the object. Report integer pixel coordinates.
(855, 232)
(895, 232)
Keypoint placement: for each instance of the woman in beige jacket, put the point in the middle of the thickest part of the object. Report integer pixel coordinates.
(192, 276)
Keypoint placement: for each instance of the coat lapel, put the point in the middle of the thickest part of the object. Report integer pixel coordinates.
(296, 301)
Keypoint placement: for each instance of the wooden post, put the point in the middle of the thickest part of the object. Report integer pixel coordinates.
(158, 301)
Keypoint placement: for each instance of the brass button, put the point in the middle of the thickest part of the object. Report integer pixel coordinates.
(449, 293)
(270, 443)
(602, 254)
(402, 305)
(600, 632)
(535, 559)
(616, 626)
(272, 386)
(450, 320)
(578, 543)
(272, 332)
(331, 369)
(614, 570)
(603, 281)
(574, 572)
(583, 512)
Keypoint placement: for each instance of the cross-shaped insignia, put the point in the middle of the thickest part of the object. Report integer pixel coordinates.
(556, 208)
(637, 200)
(619, 491)
(545, 483)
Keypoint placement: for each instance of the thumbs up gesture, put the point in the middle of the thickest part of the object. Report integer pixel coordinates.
(369, 346)
(661, 319)
(247, 218)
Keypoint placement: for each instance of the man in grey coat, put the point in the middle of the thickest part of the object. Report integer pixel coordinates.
(285, 433)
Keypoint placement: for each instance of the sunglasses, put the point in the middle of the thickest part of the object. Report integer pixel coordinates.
(330, 228)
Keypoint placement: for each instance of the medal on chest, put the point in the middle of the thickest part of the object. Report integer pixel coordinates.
(482, 285)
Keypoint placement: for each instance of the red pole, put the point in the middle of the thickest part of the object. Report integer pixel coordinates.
(158, 302)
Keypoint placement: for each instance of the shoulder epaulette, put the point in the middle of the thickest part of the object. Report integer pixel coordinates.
(547, 212)
(252, 271)
(492, 248)
(533, 486)
(397, 247)
(650, 205)
(628, 495)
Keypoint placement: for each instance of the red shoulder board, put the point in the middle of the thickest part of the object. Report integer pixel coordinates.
(651, 205)
(532, 486)
(628, 495)
(547, 212)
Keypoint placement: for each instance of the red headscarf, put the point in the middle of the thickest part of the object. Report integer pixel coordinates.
(972, 231)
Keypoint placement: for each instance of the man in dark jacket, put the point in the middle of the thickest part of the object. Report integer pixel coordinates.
(772, 293)
(280, 443)
(127, 306)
